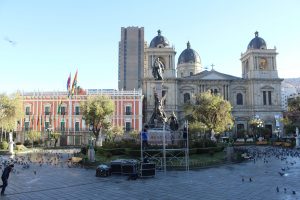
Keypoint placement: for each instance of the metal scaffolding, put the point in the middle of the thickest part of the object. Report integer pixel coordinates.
(168, 157)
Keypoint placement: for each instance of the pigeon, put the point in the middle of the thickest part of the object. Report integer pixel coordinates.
(281, 173)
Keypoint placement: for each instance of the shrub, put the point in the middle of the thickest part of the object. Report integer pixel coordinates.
(4, 145)
(211, 152)
(27, 143)
(83, 150)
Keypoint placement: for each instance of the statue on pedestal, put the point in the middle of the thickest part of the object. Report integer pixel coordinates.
(158, 69)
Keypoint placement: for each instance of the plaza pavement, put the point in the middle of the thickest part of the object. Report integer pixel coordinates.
(224, 182)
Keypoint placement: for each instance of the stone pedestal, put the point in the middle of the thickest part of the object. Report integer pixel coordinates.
(229, 153)
(11, 144)
(91, 154)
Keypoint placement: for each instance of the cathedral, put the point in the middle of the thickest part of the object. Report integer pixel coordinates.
(256, 94)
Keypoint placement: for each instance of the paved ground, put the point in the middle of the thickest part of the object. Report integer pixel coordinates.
(225, 182)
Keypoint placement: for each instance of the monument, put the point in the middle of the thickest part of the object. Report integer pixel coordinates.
(91, 151)
(297, 138)
(158, 118)
(11, 143)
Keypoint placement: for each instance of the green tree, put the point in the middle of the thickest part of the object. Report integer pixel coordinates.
(97, 111)
(34, 136)
(134, 134)
(289, 127)
(256, 124)
(196, 127)
(114, 132)
(55, 136)
(210, 111)
(10, 111)
(294, 105)
(292, 118)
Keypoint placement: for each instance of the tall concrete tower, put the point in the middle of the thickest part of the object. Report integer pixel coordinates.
(131, 58)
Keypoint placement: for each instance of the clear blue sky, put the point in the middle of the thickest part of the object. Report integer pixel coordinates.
(42, 41)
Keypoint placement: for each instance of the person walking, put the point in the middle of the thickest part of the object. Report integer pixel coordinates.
(144, 136)
(5, 176)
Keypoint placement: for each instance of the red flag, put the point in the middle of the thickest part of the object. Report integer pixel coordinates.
(69, 83)
(74, 83)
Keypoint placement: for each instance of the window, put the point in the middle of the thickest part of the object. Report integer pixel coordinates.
(27, 110)
(191, 73)
(47, 110)
(164, 92)
(270, 97)
(63, 110)
(76, 126)
(267, 97)
(46, 125)
(62, 126)
(215, 91)
(77, 110)
(186, 98)
(240, 127)
(127, 126)
(128, 110)
(239, 99)
(264, 98)
(26, 126)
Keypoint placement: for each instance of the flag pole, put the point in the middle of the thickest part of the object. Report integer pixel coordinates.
(70, 116)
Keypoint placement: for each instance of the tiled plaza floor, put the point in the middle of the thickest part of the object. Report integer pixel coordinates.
(224, 182)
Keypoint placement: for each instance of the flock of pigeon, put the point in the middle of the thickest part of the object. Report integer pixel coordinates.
(268, 153)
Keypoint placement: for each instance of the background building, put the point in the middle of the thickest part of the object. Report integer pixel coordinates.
(131, 58)
(290, 88)
(54, 111)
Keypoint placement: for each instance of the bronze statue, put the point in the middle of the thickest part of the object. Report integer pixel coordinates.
(159, 115)
(173, 122)
(158, 69)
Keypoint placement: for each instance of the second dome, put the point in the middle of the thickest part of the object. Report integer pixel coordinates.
(189, 56)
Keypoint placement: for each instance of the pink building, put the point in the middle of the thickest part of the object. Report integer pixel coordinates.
(54, 111)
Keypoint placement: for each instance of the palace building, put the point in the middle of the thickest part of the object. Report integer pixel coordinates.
(55, 111)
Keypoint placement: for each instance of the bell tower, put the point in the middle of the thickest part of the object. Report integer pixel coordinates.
(160, 48)
(258, 61)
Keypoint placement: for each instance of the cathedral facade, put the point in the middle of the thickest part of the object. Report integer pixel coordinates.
(256, 94)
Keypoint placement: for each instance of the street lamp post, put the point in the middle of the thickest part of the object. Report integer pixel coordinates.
(228, 129)
(91, 151)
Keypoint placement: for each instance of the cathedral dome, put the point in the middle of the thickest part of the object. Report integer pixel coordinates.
(257, 43)
(189, 56)
(159, 41)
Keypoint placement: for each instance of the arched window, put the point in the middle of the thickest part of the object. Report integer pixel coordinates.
(239, 99)
(186, 98)
(215, 91)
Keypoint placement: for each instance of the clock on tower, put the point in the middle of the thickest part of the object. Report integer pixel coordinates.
(263, 63)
